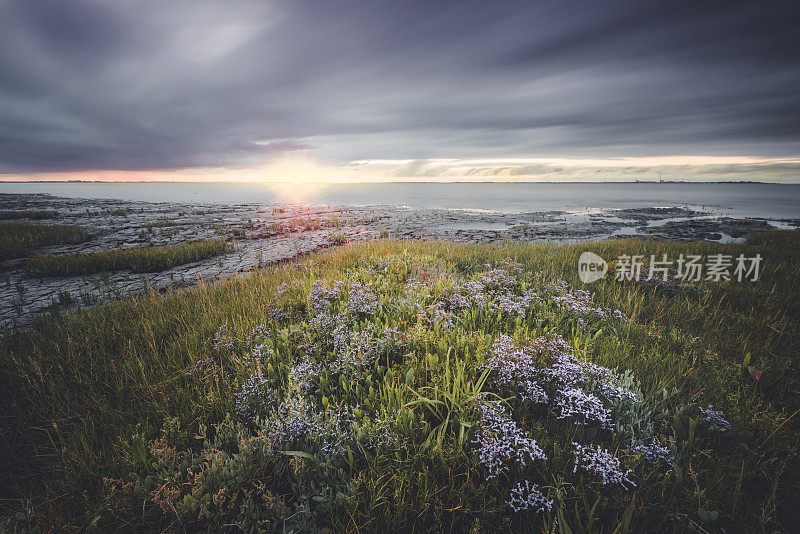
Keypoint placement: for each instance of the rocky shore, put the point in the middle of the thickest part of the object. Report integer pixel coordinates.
(262, 234)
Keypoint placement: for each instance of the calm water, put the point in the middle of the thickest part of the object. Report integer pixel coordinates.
(742, 200)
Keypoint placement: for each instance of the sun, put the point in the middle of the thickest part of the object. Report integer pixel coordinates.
(297, 170)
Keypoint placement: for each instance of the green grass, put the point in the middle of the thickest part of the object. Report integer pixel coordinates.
(34, 215)
(19, 239)
(139, 393)
(142, 260)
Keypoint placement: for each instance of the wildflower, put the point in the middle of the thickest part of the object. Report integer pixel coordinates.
(361, 301)
(497, 280)
(222, 338)
(357, 350)
(257, 334)
(585, 407)
(602, 463)
(258, 354)
(321, 295)
(514, 366)
(500, 439)
(527, 496)
(255, 394)
(654, 453)
(715, 419)
(303, 374)
(199, 365)
(615, 392)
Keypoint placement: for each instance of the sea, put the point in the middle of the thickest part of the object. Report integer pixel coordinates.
(757, 200)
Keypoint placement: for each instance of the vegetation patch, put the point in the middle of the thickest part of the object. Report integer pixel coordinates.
(34, 215)
(18, 239)
(143, 260)
(407, 386)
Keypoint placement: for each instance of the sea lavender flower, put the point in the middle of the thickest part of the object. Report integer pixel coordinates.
(255, 395)
(500, 440)
(527, 496)
(442, 317)
(617, 314)
(323, 325)
(341, 337)
(511, 304)
(294, 421)
(257, 334)
(362, 301)
(615, 392)
(498, 280)
(457, 301)
(304, 373)
(364, 346)
(223, 338)
(582, 406)
(276, 311)
(654, 453)
(602, 463)
(716, 419)
(533, 392)
(199, 365)
(515, 366)
(321, 295)
(257, 354)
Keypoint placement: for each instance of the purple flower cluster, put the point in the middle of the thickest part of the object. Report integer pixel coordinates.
(500, 440)
(258, 334)
(364, 346)
(223, 339)
(277, 312)
(527, 496)
(303, 374)
(569, 373)
(515, 366)
(254, 394)
(323, 324)
(613, 391)
(258, 354)
(525, 367)
(380, 432)
(201, 364)
(457, 301)
(716, 419)
(294, 421)
(442, 317)
(498, 280)
(360, 300)
(602, 463)
(579, 303)
(321, 295)
(584, 407)
(654, 453)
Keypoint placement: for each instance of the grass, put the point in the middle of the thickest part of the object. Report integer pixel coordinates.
(34, 215)
(18, 239)
(142, 260)
(185, 411)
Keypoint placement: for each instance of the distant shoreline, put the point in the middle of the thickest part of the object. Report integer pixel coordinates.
(449, 182)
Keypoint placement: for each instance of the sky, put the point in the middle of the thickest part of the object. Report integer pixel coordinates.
(329, 90)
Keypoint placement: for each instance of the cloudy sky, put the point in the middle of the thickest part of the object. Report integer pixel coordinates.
(395, 90)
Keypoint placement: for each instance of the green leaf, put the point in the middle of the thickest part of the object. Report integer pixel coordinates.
(707, 516)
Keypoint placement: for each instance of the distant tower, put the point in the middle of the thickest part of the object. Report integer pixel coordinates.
(660, 180)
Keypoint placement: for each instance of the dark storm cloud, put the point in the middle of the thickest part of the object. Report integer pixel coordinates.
(165, 85)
